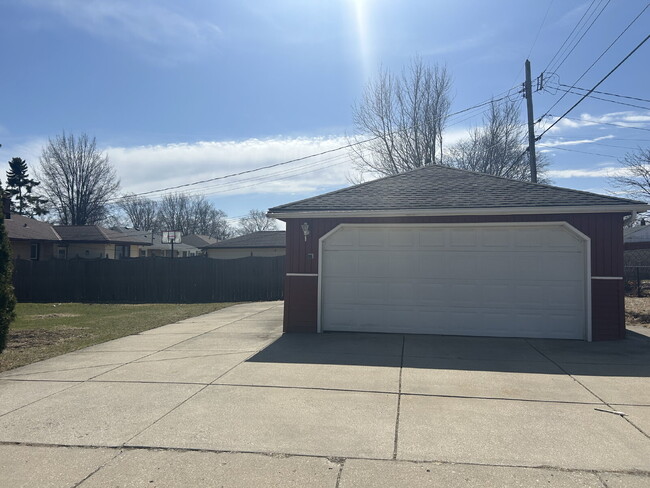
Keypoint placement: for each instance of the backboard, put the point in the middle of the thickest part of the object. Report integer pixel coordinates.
(169, 236)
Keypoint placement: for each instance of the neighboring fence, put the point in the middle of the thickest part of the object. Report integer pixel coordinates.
(637, 280)
(150, 280)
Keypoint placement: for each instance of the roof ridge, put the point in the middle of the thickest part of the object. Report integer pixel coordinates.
(539, 184)
(437, 168)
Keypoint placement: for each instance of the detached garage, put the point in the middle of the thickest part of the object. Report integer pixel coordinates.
(443, 251)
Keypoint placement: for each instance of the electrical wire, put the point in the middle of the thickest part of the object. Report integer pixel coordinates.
(638, 99)
(569, 36)
(578, 151)
(556, 68)
(604, 99)
(595, 86)
(283, 163)
(604, 123)
(597, 59)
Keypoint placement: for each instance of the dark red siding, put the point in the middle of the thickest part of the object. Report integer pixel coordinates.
(604, 230)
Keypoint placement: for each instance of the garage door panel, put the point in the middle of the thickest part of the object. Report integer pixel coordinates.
(403, 240)
(372, 292)
(566, 295)
(529, 295)
(340, 263)
(372, 238)
(496, 239)
(463, 238)
(489, 281)
(528, 238)
(432, 238)
(372, 264)
(430, 294)
(433, 265)
(403, 265)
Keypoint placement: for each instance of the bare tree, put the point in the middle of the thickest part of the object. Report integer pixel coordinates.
(497, 147)
(635, 178)
(255, 221)
(192, 215)
(78, 179)
(406, 115)
(141, 212)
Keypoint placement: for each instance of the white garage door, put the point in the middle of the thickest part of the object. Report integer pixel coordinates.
(487, 280)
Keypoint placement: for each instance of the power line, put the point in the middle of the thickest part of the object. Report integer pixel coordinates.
(604, 123)
(598, 58)
(594, 87)
(556, 68)
(569, 36)
(583, 152)
(606, 93)
(346, 146)
(604, 99)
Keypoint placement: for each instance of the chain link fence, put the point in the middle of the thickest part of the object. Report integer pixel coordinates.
(637, 272)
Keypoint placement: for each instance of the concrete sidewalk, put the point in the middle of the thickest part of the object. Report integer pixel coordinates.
(225, 400)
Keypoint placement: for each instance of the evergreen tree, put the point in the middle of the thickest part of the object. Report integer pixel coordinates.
(20, 187)
(7, 297)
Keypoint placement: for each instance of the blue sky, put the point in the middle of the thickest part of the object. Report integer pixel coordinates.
(177, 92)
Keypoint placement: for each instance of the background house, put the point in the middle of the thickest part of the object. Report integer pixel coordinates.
(265, 243)
(444, 251)
(198, 240)
(93, 241)
(32, 239)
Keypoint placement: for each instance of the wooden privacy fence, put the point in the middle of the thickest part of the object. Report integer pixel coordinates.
(150, 280)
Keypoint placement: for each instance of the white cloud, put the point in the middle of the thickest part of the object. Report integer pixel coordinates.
(150, 28)
(577, 142)
(146, 168)
(602, 172)
(624, 119)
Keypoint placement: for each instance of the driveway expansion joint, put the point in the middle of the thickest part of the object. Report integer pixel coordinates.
(341, 461)
(625, 418)
(399, 400)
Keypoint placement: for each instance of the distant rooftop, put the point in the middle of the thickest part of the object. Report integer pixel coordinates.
(264, 238)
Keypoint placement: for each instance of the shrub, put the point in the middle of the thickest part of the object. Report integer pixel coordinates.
(7, 297)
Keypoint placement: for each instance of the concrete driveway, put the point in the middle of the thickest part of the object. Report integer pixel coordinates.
(225, 400)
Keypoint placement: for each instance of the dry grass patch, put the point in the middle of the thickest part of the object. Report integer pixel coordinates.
(45, 330)
(637, 311)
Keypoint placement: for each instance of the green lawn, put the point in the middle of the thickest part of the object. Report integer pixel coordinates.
(44, 330)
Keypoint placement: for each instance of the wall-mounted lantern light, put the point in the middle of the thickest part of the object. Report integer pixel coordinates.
(305, 230)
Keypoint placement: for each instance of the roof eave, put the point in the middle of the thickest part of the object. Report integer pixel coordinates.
(325, 214)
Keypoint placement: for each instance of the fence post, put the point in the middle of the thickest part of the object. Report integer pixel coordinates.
(638, 282)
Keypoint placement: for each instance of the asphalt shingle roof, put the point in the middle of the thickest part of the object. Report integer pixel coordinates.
(440, 187)
(23, 228)
(95, 233)
(264, 238)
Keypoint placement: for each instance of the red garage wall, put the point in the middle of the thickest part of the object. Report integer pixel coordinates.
(604, 230)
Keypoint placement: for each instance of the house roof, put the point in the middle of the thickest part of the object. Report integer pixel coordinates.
(97, 234)
(264, 238)
(640, 233)
(440, 190)
(198, 240)
(20, 227)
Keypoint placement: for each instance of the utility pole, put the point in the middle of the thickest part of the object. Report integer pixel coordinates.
(531, 125)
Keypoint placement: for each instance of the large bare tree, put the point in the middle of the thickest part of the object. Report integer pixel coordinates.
(635, 178)
(192, 215)
(142, 212)
(406, 115)
(256, 220)
(78, 179)
(497, 146)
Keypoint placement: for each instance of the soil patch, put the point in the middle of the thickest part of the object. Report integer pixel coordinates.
(51, 316)
(28, 338)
